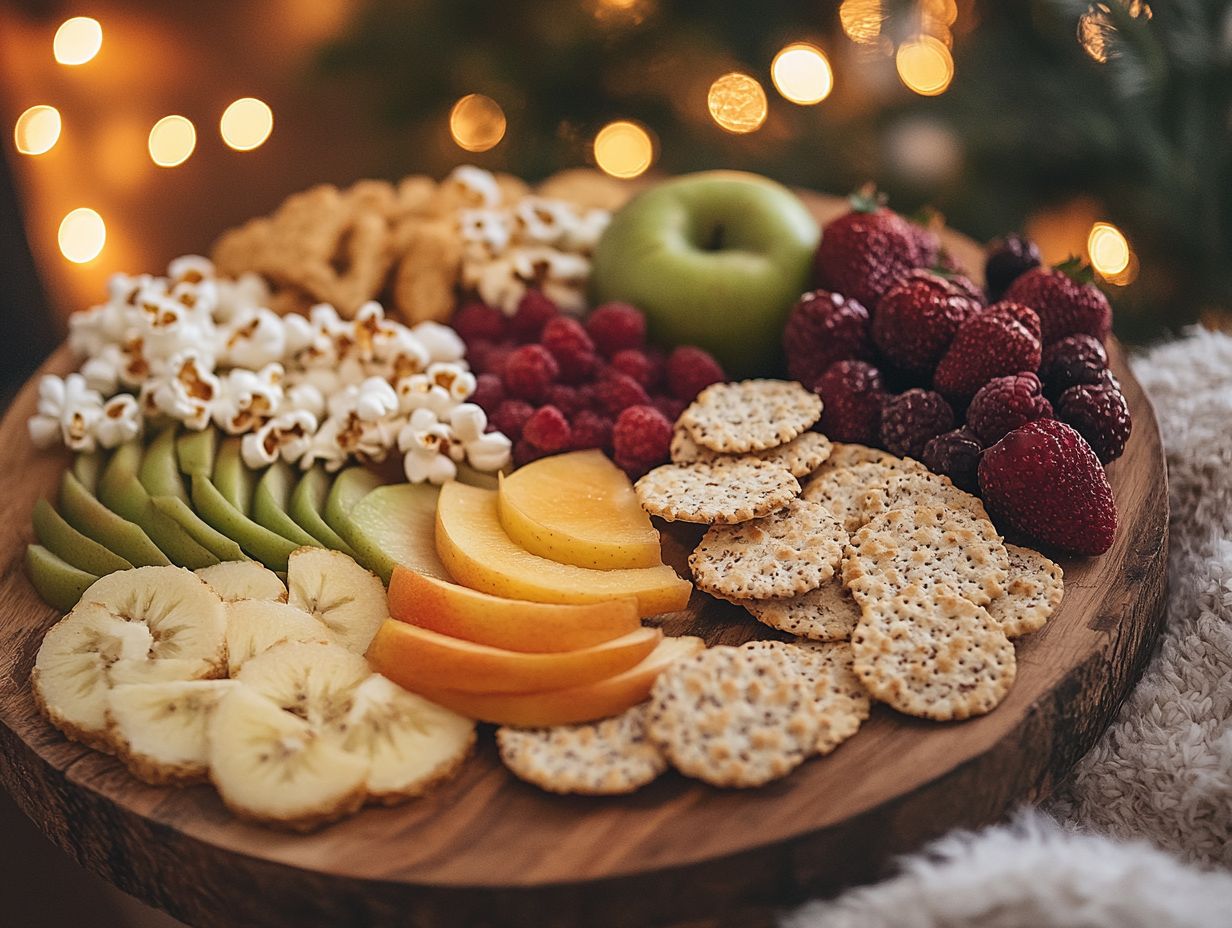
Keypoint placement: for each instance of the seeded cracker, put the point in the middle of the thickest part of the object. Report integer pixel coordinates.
(724, 493)
(827, 613)
(786, 553)
(929, 547)
(920, 489)
(846, 454)
(802, 455)
(751, 415)
(933, 654)
(847, 491)
(734, 717)
(1032, 595)
(839, 695)
(604, 758)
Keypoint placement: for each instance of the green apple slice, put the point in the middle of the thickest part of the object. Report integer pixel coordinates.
(76, 549)
(208, 537)
(159, 473)
(84, 512)
(232, 477)
(350, 486)
(269, 505)
(121, 492)
(195, 452)
(396, 524)
(58, 582)
(305, 505)
(87, 467)
(270, 548)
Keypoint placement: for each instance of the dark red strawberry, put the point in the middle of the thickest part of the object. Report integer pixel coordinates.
(863, 252)
(851, 394)
(823, 328)
(1001, 340)
(1043, 480)
(1065, 299)
(916, 320)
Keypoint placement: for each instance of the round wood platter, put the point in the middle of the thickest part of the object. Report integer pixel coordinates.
(487, 849)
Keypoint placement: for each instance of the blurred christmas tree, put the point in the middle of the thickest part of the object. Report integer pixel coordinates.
(1050, 115)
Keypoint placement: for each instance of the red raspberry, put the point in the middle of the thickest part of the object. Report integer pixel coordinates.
(852, 393)
(489, 358)
(1043, 480)
(864, 252)
(615, 326)
(548, 429)
(1065, 299)
(644, 366)
(489, 392)
(1101, 416)
(617, 392)
(1072, 360)
(916, 320)
(510, 417)
(567, 399)
(910, 419)
(524, 452)
(956, 454)
(533, 313)
(591, 430)
(997, 342)
(690, 370)
(529, 372)
(479, 322)
(571, 347)
(1008, 258)
(823, 328)
(1003, 404)
(669, 406)
(641, 439)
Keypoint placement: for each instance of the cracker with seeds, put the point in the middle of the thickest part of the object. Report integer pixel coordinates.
(848, 454)
(839, 695)
(604, 758)
(920, 489)
(827, 613)
(786, 553)
(723, 493)
(928, 547)
(933, 654)
(847, 491)
(802, 455)
(751, 415)
(734, 717)
(1033, 593)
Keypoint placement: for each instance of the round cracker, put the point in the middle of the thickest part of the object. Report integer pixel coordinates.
(848, 491)
(786, 553)
(802, 455)
(839, 695)
(904, 490)
(933, 654)
(733, 717)
(750, 415)
(848, 454)
(725, 492)
(827, 613)
(928, 547)
(604, 758)
(1032, 594)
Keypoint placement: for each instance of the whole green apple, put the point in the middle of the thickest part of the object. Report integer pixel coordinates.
(714, 259)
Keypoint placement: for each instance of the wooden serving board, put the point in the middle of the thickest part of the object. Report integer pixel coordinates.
(487, 849)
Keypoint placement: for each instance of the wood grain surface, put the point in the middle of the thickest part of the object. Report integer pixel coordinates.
(487, 849)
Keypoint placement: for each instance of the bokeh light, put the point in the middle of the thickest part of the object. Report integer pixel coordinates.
(623, 149)
(1097, 33)
(82, 235)
(1108, 249)
(802, 74)
(172, 140)
(77, 40)
(925, 65)
(737, 103)
(861, 20)
(477, 123)
(246, 124)
(37, 130)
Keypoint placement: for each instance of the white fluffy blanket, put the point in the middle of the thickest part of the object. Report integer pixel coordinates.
(1141, 834)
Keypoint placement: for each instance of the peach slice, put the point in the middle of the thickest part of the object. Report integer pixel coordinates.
(416, 657)
(578, 508)
(513, 624)
(478, 553)
(574, 704)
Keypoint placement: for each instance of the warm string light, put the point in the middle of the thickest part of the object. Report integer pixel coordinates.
(802, 74)
(477, 123)
(37, 130)
(82, 235)
(737, 103)
(77, 40)
(925, 65)
(623, 149)
(861, 20)
(1110, 255)
(246, 124)
(172, 140)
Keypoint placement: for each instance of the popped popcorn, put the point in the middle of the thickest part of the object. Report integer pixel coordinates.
(121, 421)
(67, 409)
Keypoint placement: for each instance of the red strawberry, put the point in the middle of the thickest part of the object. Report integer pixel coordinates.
(1043, 480)
(1065, 300)
(1002, 340)
(916, 320)
(864, 252)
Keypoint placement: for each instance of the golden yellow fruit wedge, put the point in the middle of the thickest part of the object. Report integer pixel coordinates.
(415, 658)
(478, 553)
(578, 508)
(574, 704)
(513, 624)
